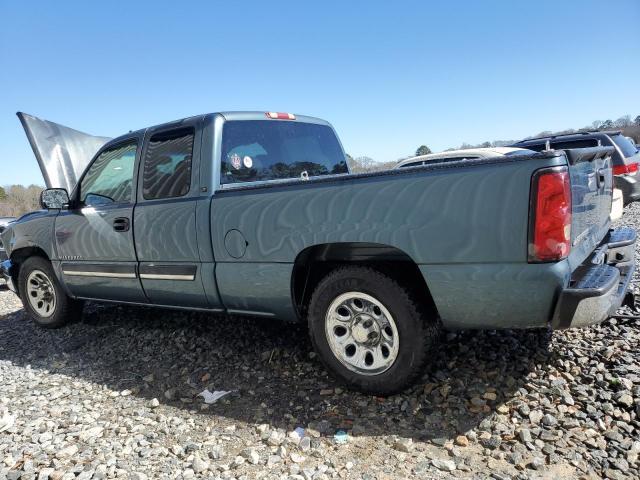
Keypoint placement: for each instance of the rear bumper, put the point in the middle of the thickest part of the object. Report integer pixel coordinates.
(598, 287)
(5, 273)
(630, 186)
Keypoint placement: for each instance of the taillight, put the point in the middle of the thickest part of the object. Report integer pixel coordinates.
(281, 116)
(625, 169)
(550, 215)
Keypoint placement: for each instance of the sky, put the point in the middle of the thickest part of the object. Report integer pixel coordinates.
(389, 76)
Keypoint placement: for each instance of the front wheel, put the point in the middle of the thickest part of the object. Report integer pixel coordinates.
(369, 330)
(43, 297)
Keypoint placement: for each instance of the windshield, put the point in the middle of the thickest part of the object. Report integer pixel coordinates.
(259, 150)
(628, 149)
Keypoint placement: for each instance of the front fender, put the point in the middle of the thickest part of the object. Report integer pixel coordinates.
(31, 231)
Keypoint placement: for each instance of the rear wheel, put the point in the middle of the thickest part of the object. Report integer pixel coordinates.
(43, 297)
(369, 330)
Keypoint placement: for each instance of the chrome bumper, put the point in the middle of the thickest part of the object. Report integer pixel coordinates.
(596, 290)
(5, 273)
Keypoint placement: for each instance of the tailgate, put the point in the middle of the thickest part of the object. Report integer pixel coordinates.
(590, 172)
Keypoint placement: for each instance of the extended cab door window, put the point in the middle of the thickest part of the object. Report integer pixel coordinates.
(110, 177)
(167, 164)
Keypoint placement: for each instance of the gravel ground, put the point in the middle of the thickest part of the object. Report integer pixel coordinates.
(116, 396)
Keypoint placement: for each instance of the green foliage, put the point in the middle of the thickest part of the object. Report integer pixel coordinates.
(3, 194)
(423, 150)
(636, 121)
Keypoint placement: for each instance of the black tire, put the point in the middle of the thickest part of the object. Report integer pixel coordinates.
(418, 331)
(65, 309)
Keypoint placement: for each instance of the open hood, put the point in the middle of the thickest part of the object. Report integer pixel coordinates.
(62, 152)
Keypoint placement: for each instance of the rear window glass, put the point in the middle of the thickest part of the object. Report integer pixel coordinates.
(567, 144)
(524, 151)
(259, 150)
(413, 164)
(439, 160)
(536, 147)
(455, 159)
(559, 144)
(628, 149)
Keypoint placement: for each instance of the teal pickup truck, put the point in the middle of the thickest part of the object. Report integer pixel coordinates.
(254, 213)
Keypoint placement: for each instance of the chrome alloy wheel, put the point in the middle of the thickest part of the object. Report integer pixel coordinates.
(41, 294)
(362, 333)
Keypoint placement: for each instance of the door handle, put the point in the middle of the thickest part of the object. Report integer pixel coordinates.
(121, 224)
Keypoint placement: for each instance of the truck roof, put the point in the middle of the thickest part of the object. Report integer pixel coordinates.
(255, 115)
(228, 116)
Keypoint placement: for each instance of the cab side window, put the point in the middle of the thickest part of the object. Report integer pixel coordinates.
(167, 164)
(109, 179)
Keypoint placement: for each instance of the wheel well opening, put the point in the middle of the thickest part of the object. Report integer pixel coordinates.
(19, 256)
(314, 263)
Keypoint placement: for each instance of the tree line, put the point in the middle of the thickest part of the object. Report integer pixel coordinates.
(16, 200)
(630, 127)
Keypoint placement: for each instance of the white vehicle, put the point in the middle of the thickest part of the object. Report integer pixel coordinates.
(475, 153)
(467, 154)
(617, 204)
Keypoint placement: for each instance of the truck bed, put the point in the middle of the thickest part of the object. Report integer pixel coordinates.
(463, 223)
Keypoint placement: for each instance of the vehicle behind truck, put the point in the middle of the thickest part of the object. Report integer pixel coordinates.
(625, 157)
(617, 200)
(254, 213)
(462, 154)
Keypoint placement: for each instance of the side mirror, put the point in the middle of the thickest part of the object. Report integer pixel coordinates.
(54, 198)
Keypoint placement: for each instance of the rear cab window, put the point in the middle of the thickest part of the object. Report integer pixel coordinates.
(263, 150)
(536, 147)
(456, 159)
(557, 144)
(431, 161)
(412, 164)
(568, 144)
(523, 151)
